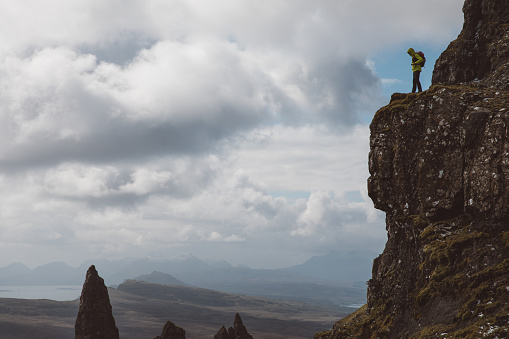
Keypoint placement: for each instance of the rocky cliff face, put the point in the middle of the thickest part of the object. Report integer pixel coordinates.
(481, 50)
(439, 165)
(95, 318)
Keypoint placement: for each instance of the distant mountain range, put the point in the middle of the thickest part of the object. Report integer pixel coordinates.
(161, 279)
(274, 285)
(328, 279)
(339, 266)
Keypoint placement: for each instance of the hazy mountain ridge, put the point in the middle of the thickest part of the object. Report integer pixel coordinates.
(338, 266)
(217, 275)
(116, 271)
(340, 294)
(161, 279)
(348, 266)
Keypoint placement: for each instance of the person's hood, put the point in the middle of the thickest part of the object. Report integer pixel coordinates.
(411, 52)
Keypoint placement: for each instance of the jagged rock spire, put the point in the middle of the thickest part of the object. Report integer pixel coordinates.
(222, 334)
(95, 318)
(238, 331)
(172, 331)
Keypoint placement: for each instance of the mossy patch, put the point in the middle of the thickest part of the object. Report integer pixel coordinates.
(420, 221)
(505, 239)
(451, 268)
(399, 102)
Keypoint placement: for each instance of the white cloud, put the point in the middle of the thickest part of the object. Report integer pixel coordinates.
(307, 158)
(145, 181)
(388, 82)
(75, 181)
(136, 126)
(312, 218)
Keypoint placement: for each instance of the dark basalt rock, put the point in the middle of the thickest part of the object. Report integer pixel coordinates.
(222, 334)
(171, 331)
(95, 318)
(238, 331)
(439, 165)
(481, 50)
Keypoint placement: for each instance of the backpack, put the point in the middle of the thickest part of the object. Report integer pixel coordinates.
(423, 58)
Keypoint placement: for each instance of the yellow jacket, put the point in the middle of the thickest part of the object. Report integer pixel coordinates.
(416, 60)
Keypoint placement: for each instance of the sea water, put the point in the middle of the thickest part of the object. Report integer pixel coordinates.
(58, 293)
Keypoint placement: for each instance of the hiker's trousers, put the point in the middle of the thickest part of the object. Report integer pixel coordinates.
(417, 82)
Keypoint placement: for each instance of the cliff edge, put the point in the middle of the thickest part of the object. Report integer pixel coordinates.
(439, 165)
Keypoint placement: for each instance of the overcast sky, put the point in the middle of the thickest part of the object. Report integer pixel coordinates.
(233, 129)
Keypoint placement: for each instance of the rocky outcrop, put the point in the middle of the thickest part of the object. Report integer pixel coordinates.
(95, 318)
(172, 331)
(238, 331)
(480, 51)
(223, 333)
(439, 165)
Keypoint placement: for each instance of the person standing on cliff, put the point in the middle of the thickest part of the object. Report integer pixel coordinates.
(417, 61)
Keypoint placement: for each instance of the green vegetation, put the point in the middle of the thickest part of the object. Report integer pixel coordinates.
(460, 275)
(493, 99)
(505, 239)
(461, 266)
(399, 103)
(419, 221)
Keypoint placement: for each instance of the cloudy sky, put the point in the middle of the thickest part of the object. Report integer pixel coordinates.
(232, 129)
